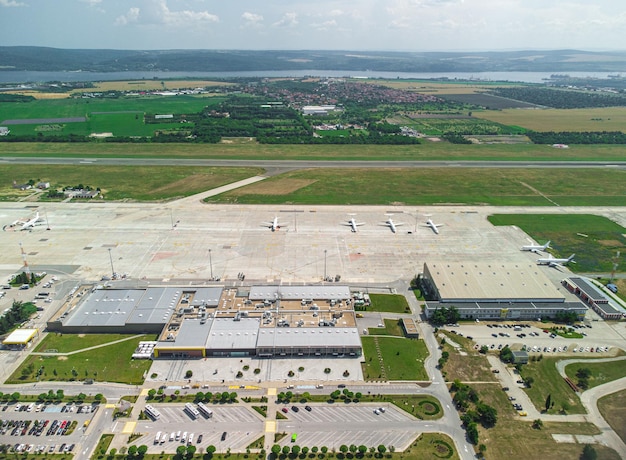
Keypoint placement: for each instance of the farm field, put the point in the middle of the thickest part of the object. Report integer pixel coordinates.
(592, 119)
(154, 85)
(436, 126)
(594, 252)
(524, 187)
(427, 151)
(145, 183)
(488, 101)
(440, 88)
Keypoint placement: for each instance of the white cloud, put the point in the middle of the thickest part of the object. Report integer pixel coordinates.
(92, 2)
(251, 19)
(288, 20)
(9, 3)
(131, 16)
(326, 25)
(156, 12)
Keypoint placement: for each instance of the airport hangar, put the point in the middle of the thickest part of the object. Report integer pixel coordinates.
(495, 291)
(201, 321)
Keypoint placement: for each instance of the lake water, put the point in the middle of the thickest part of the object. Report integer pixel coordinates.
(40, 77)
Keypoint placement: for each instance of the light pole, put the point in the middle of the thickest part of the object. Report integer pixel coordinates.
(325, 251)
(111, 259)
(211, 264)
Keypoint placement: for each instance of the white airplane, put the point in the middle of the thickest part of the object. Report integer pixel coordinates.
(27, 224)
(554, 262)
(392, 225)
(274, 225)
(434, 226)
(354, 224)
(536, 248)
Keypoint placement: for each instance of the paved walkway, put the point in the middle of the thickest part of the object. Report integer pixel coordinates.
(216, 191)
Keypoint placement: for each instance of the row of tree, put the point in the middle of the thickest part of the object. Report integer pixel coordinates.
(17, 314)
(561, 98)
(445, 315)
(474, 410)
(585, 137)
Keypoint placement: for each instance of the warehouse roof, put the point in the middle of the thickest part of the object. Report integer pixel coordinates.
(503, 281)
(309, 337)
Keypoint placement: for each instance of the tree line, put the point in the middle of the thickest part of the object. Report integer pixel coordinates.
(561, 98)
(584, 137)
(17, 314)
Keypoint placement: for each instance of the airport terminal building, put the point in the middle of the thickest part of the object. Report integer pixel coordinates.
(201, 321)
(490, 291)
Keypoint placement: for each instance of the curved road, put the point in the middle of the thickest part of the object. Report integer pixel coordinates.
(300, 164)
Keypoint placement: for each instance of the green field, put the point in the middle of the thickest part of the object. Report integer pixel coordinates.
(392, 327)
(388, 303)
(548, 381)
(65, 343)
(238, 151)
(111, 363)
(592, 119)
(498, 187)
(600, 372)
(613, 409)
(125, 182)
(594, 252)
(402, 359)
(78, 107)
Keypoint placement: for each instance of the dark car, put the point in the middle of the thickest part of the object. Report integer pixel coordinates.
(224, 434)
(199, 439)
(295, 408)
(308, 408)
(341, 385)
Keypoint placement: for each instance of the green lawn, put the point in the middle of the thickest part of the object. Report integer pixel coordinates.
(392, 327)
(402, 359)
(593, 239)
(417, 186)
(600, 372)
(63, 343)
(240, 151)
(423, 407)
(112, 363)
(613, 409)
(388, 303)
(549, 382)
(126, 182)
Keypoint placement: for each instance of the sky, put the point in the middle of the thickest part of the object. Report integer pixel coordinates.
(389, 25)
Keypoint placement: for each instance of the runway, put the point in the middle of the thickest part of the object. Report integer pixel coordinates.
(304, 164)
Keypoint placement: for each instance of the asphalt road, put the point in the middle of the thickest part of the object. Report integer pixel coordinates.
(301, 164)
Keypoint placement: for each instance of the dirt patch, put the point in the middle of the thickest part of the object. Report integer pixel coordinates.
(81, 335)
(62, 358)
(280, 187)
(611, 243)
(189, 183)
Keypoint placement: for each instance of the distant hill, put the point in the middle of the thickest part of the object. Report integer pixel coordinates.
(53, 59)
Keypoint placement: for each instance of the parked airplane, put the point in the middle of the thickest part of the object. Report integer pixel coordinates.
(274, 225)
(392, 225)
(554, 262)
(353, 223)
(434, 226)
(27, 224)
(536, 248)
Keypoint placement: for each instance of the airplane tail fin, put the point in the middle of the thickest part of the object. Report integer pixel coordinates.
(547, 245)
(571, 258)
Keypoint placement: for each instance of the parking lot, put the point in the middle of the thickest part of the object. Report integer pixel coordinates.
(598, 339)
(39, 428)
(241, 424)
(340, 423)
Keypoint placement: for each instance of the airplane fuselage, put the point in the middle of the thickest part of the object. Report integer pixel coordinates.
(432, 225)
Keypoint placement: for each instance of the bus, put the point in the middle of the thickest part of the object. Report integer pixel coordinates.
(192, 410)
(152, 412)
(208, 413)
